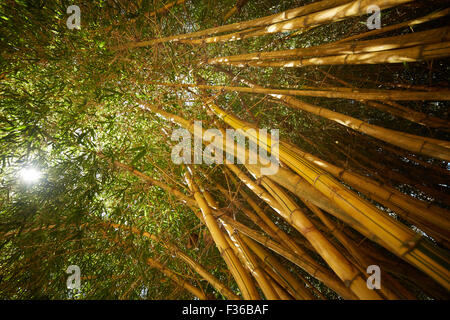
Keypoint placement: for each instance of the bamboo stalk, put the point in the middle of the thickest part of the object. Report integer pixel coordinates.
(410, 23)
(282, 275)
(402, 55)
(314, 269)
(251, 263)
(338, 93)
(401, 240)
(376, 45)
(361, 260)
(175, 278)
(340, 265)
(416, 208)
(398, 110)
(237, 7)
(245, 284)
(333, 14)
(413, 143)
(278, 17)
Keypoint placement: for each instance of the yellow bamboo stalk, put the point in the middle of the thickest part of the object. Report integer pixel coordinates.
(278, 17)
(279, 290)
(237, 7)
(388, 195)
(251, 263)
(166, 8)
(175, 278)
(245, 284)
(354, 8)
(410, 54)
(376, 45)
(282, 275)
(400, 239)
(340, 265)
(413, 143)
(339, 93)
(416, 213)
(315, 270)
(410, 23)
(399, 110)
(350, 246)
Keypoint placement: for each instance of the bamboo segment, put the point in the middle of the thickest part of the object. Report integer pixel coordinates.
(411, 54)
(314, 269)
(237, 7)
(278, 17)
(399, 110)
(245, 284)
(339, 93)
(399, 239)
(410, 23)
(175, 278)
(416, 208)
(166, 7)
(343, 268)
(279, 290)
(354, 8)
(333, 14)
(350, 246)
(288, 282)
(251, 263)
(347, 48)
(413, 143)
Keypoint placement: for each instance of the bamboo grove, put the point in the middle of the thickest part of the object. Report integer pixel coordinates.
(363, 153)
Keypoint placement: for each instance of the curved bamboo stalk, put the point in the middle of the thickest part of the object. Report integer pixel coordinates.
(279, 290)
(360, 258)
(237, 7)
(414, 207)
